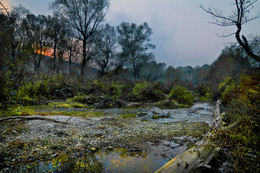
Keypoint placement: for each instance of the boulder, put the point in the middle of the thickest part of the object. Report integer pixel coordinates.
(133, 104)
(167, 104)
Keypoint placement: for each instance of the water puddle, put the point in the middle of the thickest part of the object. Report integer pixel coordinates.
(110, 161)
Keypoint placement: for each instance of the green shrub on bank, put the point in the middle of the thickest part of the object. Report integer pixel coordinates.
(242, 101)
(181, 95)
(204, 93)
(144, 91)
(34, 91)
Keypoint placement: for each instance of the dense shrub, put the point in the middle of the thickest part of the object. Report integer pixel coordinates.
(38, 90)
(144, 91)
(47, 88)
(242, 100)
(204, 91)
(181, 95)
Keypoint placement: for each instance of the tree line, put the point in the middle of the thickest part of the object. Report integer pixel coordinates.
(76, 33)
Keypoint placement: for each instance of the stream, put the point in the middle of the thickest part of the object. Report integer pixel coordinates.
(103, 144)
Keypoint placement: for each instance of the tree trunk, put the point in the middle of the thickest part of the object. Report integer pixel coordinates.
(54, 53)
(102, 72)
(70, 62)
(84, 60)
(244, 44)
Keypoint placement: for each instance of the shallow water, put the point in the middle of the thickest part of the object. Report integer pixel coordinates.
(118, 160)
(199, 112)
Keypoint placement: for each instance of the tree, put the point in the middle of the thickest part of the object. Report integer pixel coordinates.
(153, 70)
(12, 58)
(239, 16)
(106, 43)
(134, 41)
(84, 17)
(36, 30)
(57, 32)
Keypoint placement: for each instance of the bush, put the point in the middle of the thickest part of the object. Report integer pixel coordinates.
(34, 91)
(181, 95)
(204, 92)
(242, 101)
(146, 91)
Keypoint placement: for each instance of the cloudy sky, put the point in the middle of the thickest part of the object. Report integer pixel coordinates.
(181, 31)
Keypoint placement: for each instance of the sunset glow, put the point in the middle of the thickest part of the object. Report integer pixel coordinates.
(46, 51)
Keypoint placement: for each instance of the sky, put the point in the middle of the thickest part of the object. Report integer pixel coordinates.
(181, 30)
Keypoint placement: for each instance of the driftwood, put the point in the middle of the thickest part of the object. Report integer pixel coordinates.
(32, 118)
(197, 157)
(42, 118)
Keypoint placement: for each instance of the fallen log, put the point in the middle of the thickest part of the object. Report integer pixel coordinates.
(31, 118)
(199, 156)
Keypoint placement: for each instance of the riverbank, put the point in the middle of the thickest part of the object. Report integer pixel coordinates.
(27, 144)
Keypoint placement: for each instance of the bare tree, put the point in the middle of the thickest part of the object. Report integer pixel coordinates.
(239, 16)
(84, 17)
(106, 44)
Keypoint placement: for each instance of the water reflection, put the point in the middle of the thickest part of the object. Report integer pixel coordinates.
(110, 161)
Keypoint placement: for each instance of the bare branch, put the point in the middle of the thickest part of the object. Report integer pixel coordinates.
(224, 35)
(5, 9)
(238, 17)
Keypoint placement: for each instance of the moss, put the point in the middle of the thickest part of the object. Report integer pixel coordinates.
(155, 116)
(128, 115)
(67, 105)
(17, 111)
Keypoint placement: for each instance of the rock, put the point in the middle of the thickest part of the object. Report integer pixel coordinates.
(141, 114)
(158, 113)
(145, 118)
(110, 147)
(167, 104)
(93, 149)
(166, 143)
(121, 103)
(133, 104)
(174, 145)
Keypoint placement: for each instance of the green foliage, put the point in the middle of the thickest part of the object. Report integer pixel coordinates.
(155, 116)
(17, 111)
(204, 91)
(80, 99)
(67, 105)
(39, 90)
(116, 90)
(242, 99)
(182, 96)
(139, 89)
(146, 91)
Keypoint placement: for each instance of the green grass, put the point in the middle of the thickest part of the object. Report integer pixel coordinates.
(68, 105)
(128, 115)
